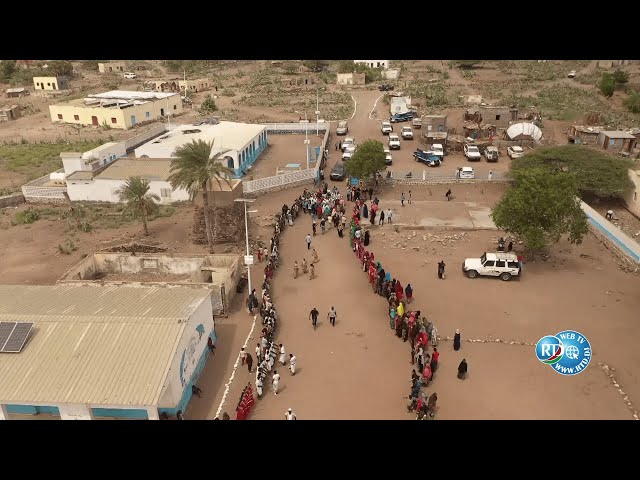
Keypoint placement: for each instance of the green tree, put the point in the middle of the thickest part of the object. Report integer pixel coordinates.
(597, 175)
(632, 102)
(620, 77)
(7, 69)
(316, 65)
(346, 66)
(139, 202)
(194, 169)
(61, 68)
(208, 105)
(541, 207)
(607, 85)
(367, 160)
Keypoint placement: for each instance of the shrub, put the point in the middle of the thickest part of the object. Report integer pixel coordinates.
(27, 216)
(607, 85)
(632, 102)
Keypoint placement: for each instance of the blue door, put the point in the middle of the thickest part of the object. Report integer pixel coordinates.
(133, 119)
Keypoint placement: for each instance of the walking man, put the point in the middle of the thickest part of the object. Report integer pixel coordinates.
(282, 359)
(448, 195)
(402, 198)
(313, 315)
(381, 222)
(275, 381)
(389, 214)
(292, 363)
(490, 175)
(243, 356)
(290, 415)
(409, 202)
(308, 239)
(332, 316)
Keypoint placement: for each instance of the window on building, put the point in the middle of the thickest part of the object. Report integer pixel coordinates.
(37, 84)
(165, 192)
(175, 107)
(497, 117)
(76, 117)
(48, 84)
(59, 116)
(114, 120)
(147, 114)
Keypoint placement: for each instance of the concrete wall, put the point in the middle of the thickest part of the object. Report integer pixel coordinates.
(391, 74)
(104, 190)
(190, 356)
(632, 195)
(111, 67)
(70, 411)
(115, 117)
(128, 263)
(351, 79)
(11, 200)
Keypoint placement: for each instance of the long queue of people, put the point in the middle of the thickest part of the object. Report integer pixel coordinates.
(408, 325)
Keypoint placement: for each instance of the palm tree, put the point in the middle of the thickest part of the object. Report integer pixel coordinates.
(193, 169)
(135, 193)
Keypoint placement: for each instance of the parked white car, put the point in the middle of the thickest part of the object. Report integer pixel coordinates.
(515, 152)
(467, 173)
(472, 152)
(407, 133)
(388, 158)
(348, 142)
(386, 128)
(438, 150)
(501, 264)
(394, 141)
(342, 128)
(571, 74)
(348, 153)
(130, 75)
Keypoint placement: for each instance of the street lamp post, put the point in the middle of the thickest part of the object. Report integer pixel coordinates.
(306, 135)
(248, 259)
(317, 111)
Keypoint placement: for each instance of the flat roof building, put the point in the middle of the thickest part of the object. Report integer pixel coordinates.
(117, 109)
(111, 67)
(244, 142)
(50, 83)
(104, 351)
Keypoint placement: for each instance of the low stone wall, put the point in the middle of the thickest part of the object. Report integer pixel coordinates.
(437, 181)
(45, 200)
(277, 188)
(622, 259)
(11, 200)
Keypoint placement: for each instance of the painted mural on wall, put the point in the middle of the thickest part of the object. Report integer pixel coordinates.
(189, 356)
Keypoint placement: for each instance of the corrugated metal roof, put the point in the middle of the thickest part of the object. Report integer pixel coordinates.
(109, 345)
(148, 168)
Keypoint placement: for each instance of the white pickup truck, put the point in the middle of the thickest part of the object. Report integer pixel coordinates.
(386, 128)
(438, 150)
(407, 133)
(472, 152)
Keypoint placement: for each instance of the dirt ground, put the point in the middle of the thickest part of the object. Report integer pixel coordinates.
(362, 354)
(283, 150)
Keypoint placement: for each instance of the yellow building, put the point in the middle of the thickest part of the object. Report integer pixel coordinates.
(50, 83)
(117, 109)
(111, 67)
(195, 86)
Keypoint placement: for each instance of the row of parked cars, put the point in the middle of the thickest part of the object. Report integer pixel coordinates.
(491, 153)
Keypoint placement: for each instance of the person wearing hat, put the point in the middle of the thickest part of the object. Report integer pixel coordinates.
(290, 415)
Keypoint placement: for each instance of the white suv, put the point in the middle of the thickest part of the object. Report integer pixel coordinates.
(407, 133)
(503, 265)
(472, 153)
(515, 152)
(394, 142)
(348, 152)
(386, 128)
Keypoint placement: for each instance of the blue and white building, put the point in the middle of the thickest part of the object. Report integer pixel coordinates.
(244, 142)
(115, 351)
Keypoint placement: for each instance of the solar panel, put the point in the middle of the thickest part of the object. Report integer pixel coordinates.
(18, 338)
(5, 332)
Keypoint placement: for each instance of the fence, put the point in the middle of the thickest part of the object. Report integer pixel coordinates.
(426, 177)
(145, 136)
(284, 128)
(270, 184)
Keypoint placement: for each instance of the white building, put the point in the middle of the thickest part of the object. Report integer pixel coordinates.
(102, 185)
(384, 64)
(93, 159)
(104, 351)
(244, 142)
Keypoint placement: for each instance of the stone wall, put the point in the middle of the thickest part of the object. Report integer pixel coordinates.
(11, 200)
(46, 200)
(229, 226)
(623, 261)
(277, 188)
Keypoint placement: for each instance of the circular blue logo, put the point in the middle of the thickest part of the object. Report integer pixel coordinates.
(568, 352)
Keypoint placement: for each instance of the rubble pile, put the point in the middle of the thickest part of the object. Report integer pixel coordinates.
(228, 228)
(412, 240)
(135, 247)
